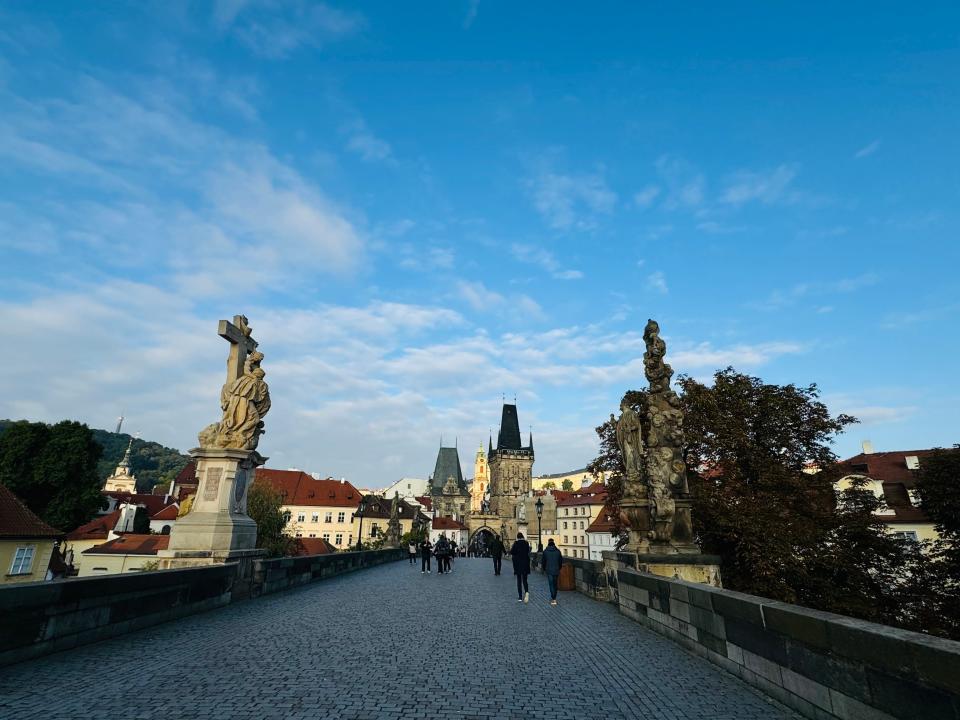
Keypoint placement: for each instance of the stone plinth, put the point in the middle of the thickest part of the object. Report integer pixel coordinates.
(691, 567)
(217, 529)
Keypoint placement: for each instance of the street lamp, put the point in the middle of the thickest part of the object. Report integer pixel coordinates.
(359, 513)
(539, 507)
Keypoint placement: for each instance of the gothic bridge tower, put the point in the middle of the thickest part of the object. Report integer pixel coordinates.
(510, 464)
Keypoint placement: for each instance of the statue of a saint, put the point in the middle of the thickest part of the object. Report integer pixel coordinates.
(630, 440)
(244, 403)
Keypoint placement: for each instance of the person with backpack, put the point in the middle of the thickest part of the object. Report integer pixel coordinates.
(520, 554)
(442, 551)
(552, 562)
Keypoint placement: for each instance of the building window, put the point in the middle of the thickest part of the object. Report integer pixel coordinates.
(328, 517)
(22, 561)
(326, 536)
(350, 539)
(312, 535)
(301, 517)
(566, 511)
(299, 535)
(564, 524)
(315, 517)
(338, 540)
(375, 530)
(564, 539)
(581, 524)
(341, 517)
(905, 536)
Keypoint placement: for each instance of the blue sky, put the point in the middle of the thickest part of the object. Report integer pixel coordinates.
(421, 207)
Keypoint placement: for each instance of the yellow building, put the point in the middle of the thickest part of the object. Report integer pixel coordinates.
(891, 477)
(575, 514)
(481, 481)
(26, 542)
(129, 552)
(317, 508)
(579, 479)
(376, 516)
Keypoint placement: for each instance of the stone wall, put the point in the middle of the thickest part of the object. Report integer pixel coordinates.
(44, 617)
(820, 664)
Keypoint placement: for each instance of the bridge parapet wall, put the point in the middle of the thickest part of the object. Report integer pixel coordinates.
(820, 664)
(45, 617)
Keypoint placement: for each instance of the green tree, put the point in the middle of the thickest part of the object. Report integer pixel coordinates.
(264, 506)
(152, 463)
(762, 479)
(568, 485)
(549, 485)
(53, 469)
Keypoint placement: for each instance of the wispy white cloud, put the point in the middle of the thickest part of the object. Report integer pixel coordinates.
(867, 150)
(685, 184)
(479, 296)
(571, 201)
(276, 30)
(779, 299)
(361, 141)
(766, 187)
(657, 282)
(544, 259)
(645, 197)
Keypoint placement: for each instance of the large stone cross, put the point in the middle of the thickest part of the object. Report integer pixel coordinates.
(238, 333)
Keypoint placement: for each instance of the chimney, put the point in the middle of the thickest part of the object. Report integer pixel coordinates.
(315, 475)
(867, 447)
(343, 481)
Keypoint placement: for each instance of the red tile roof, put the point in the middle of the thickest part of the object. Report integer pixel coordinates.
(426, 501)
(299, 488)
(131, 544)
(604, 522)
(585, 497)
(96, 529)
(314, 546)
(17, 521)
(447, 523)
(188, 475)
(170, 512)
(153, 503)
(887, 467)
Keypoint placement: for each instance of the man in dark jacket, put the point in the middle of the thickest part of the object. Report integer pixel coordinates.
(520, 552)
(496, 552)
(425, 549)
(552, 562)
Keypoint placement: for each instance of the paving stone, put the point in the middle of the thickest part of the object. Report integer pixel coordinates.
(388, 643)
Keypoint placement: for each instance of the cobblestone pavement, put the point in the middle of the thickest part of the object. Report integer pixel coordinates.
(387, 643)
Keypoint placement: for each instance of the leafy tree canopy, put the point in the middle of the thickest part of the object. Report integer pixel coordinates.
(264, 506)
(762, 480)
(549, 485)
(568, 484)
(53, 469)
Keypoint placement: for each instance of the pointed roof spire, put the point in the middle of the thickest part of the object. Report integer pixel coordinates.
(125, 463)
(531, 437)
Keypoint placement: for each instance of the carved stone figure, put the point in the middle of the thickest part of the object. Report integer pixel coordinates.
(392, 537)
(244, 401)
(630, 441)
(657, 371)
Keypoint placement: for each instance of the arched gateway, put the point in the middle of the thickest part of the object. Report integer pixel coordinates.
(480, 541)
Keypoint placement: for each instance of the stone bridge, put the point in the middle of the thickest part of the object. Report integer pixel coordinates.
(387, 642)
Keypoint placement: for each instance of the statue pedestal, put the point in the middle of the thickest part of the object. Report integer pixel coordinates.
(691, 567)
(217, 529)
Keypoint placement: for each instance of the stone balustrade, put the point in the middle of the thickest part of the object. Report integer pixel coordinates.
(45, 617)
(820, 664)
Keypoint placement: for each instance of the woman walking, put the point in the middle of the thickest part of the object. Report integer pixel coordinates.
(520, 553)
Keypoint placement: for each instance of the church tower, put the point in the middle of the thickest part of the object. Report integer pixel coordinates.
(510, 465)
(122, 479)
(481, 481)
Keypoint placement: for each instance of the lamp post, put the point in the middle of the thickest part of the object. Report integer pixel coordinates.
(359, 513)
(539, 507)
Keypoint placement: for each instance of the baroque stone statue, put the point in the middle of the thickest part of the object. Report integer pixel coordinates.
(630, 441)
(244, 398)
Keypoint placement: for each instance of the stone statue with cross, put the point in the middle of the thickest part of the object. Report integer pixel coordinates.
(217, 528)
(245, 397)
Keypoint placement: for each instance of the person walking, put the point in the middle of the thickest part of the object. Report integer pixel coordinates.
(452, 556)
(552, 562)
(496, 552)
(520, 553)
(425, 550)
(441, 550)
(412, 552)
